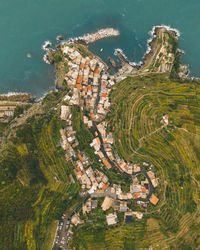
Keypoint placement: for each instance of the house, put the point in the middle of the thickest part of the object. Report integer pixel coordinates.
(106, 163)
(151, 175)
(65, 111)
(128, 217)
(123, 206)
(80, 158)
(154, 182)
(138, 215)
(107, 203)
(111, 219)
(136, 168)
(94, 204)
(76, 220)
(87, 208)
(116, 205)
(153, 199)
(135, 188)
(165, 120)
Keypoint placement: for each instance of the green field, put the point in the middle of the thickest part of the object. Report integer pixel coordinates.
(34, 180)
(138, 105)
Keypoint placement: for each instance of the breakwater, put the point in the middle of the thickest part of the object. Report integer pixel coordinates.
(100, 34)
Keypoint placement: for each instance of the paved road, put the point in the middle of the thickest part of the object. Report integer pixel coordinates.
(114, 165)
(65, 227)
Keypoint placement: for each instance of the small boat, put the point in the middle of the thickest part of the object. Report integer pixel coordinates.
(29, 55)
(101, 49)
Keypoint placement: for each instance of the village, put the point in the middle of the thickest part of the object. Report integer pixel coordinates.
(90, 85)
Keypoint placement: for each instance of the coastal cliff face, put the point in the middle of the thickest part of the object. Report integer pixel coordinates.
(154, 117)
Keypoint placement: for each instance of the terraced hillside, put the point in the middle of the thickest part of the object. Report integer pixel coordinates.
(172, 146)
(35, 184)
(139, 106)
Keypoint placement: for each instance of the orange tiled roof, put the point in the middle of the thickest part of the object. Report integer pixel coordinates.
(144, 190)
(136, 195)
(81, 66)
(98, 141)
(79, 79)
(87, 61)
(78, 86)
(104, 187)
(89, 87)
(97, 71)
(104, 94)
(84, 89)
(154, 200)
(106, 163)
(80, 158)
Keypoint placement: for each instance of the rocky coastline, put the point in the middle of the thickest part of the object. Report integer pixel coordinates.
(102, 34)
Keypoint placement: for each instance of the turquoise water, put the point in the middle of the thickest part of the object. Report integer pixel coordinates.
(26, 24)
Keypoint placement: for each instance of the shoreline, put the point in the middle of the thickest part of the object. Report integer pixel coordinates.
(103, 34)
(151, 42)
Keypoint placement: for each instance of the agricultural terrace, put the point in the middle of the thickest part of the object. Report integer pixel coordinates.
(139, 104)
(35, 182)
(172, 147)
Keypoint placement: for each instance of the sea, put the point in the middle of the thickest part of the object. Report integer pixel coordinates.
(26, 24)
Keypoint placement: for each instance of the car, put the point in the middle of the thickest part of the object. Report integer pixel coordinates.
(62, 241)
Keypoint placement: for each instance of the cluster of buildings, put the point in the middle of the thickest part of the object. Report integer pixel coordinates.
(89, 88)
(7, 110)
(89, 206)
(112, 219)
(68, 138)
(8, 103)
(91, 180)
(88, 79)
(103, 145)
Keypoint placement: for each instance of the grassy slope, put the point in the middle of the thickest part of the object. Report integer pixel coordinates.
(32, 199)
(138, 106)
